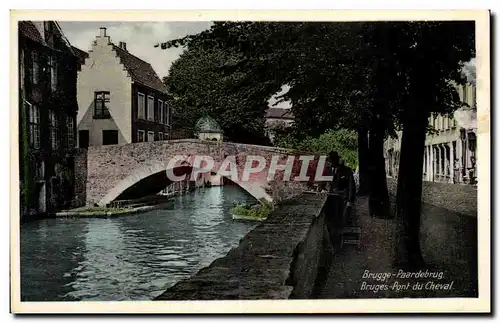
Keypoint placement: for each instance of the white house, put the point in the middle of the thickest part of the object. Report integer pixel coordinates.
(450, 153)
(121, 99)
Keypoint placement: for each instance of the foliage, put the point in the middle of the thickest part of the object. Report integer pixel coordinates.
(374, 75)
(200, 88)
(343, 141)
(343, 73)
(260, 212)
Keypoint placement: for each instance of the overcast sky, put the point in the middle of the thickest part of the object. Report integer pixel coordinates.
(139, 36)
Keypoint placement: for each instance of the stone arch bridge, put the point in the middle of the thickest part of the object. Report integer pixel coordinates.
(107, 173)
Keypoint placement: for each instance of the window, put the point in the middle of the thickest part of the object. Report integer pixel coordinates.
(140, 136)
(101, 100)
(474, 98)
(160, 112)
(141, 113)
(34, 58)
(464, 91)
(34, 126)
(47, 27)
(167, 114)
(40, 169)
(21, 69)
(53, 73)
(110, 137)
(53, 129)
(71, 132)
(151, 136)
(160, 135)
(151, 106)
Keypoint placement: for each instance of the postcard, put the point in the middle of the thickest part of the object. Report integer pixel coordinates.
(250, 161)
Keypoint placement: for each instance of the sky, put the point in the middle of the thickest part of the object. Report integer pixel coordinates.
(139, 36)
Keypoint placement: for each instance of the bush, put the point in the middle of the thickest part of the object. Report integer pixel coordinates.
(343, 141)
(246, 210)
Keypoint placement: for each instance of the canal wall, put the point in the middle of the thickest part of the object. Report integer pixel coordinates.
(453, 197)
(286, 256)
(80, 185)
(448, 227)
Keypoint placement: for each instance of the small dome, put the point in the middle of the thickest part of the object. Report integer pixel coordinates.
(207, 124)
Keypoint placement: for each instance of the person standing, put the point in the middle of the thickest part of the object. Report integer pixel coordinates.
(343, 181)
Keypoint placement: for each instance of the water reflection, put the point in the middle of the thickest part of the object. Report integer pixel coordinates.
(131, 257)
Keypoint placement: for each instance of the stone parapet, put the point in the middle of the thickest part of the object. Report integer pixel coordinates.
(107, 171)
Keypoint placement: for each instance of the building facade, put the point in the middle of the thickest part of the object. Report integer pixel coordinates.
(450, 151)
(48, 67)
(121, 98)
(277, 118)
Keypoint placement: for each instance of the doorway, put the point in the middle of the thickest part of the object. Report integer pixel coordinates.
(83, 138)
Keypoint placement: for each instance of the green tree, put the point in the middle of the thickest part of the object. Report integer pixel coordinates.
(200, 88)
(369, 77)
(343, 141)
(431, 55)
(333, 73)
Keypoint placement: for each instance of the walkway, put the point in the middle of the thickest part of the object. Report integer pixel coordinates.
(347, 277)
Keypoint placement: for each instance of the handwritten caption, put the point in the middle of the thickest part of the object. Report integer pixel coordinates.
(404, 280)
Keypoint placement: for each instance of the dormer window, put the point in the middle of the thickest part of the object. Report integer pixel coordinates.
(48, 32)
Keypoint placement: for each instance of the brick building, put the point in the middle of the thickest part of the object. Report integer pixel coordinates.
(48, 67)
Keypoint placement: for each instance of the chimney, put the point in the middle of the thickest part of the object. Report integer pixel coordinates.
(123, 45)
(102, 32)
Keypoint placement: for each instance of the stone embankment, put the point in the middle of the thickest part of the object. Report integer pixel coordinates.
(286, 256)
(459, 198)
(119, 208)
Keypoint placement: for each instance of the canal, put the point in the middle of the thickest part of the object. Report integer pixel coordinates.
(133, 257)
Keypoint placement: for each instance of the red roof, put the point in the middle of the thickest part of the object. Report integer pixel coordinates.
(141, 72)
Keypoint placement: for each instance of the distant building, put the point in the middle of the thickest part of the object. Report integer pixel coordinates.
(121, 98)
(48, 67)
(208, 129)
(450, 154)
(278, 118)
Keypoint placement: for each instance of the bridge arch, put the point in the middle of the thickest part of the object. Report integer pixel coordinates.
(155, 175)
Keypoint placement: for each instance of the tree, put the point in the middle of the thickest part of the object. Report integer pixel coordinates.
(371, 77)
(333, 73)
(200, 88)
(430, 54)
